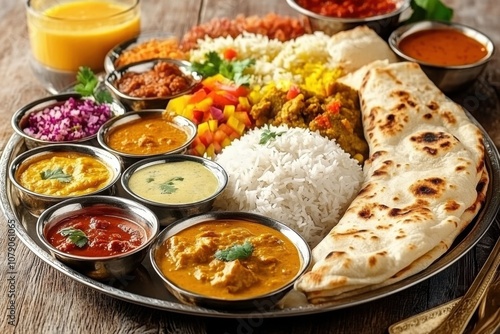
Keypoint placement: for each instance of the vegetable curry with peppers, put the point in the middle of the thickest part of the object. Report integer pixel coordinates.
(336, 116)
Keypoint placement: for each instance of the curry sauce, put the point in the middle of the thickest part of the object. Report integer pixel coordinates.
(65, 174)
(147, 135)
(188, 259)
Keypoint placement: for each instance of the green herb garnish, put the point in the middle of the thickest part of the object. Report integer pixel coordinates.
(169, 187)
(429, 10)
(268, 135)
(235, 252)
(231, 69)
(87, 85)
(56, 174)
(75, 236)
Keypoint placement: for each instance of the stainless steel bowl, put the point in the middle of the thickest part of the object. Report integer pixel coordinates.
(446, 78)
(36, 203)
(20, 118)
(100, 268)
(140, 103)
(265, 301)
(168, 213)
(114, 54)
(128, 158)
(383, 25)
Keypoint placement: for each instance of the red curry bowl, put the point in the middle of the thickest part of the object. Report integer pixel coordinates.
(103, 237)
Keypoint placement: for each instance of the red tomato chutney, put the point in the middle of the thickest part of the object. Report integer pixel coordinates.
(95, 235)
(349, 8)
(445, 47)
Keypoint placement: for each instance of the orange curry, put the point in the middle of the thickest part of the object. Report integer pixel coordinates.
(146, 136)
(445, 47)
(192, 259)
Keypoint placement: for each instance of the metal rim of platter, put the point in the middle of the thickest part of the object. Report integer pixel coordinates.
(14, 212)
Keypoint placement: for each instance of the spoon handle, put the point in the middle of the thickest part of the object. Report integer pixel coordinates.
(462, 312)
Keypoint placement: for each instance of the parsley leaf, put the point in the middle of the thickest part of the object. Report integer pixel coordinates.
(75, 236)
(430, 10)
(231, 69)
(87, 85)
(268, 135)
(169, 187)
(235, 252)
(56, 174)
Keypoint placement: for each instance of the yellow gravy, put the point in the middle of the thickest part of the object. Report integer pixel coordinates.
(65, 174)
(188, 259)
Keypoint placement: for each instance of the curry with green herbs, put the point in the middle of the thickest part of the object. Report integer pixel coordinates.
(64, 174)
(176, 182)
(336, 116)
(229, 259)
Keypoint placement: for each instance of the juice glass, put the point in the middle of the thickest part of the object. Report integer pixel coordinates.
(67, 34)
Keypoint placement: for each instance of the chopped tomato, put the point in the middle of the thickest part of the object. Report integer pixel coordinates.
(230, 54)
(292, 92)
(334, 106)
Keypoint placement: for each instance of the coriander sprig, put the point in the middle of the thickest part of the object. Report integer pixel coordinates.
(231, 69)
(268, 135)
(168, 187)
(235, 252)
(87, 85)
(56, 174)
(76, 236)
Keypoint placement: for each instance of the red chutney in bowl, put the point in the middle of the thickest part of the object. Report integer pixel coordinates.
(349, 8)
(96, 235)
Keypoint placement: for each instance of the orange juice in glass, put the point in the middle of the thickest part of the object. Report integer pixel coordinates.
(67, 34)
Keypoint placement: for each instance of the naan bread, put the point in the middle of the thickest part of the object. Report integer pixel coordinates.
(354, 48)
(425, 181)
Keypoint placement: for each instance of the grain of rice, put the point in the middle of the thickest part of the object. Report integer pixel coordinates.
(302, 179)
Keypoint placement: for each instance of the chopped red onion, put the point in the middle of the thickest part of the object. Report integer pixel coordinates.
(72, 120)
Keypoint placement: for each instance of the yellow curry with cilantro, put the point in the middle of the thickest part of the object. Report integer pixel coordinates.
(64, 174)
(229, 259)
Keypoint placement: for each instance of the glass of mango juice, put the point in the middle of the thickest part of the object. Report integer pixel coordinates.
(67, 34)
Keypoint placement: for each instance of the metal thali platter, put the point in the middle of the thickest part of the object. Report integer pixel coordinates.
(143, 287)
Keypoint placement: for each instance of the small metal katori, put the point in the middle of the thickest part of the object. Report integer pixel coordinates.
(141, 103)
(105, 267)
(446, 78)
(263, 302)
(383, 24)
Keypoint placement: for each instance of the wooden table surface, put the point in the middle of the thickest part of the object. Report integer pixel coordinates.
(46, 301)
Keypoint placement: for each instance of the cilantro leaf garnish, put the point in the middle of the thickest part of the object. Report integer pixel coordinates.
(430, 10)
(235, 252)
(231, 69)
(87, 85)
(169, 187)
(56, 174)
(75, 236)
(268, 135)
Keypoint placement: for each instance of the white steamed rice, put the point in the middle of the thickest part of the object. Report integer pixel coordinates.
(301, 178)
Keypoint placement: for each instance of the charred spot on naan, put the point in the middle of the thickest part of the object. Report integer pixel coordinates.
(433, 106)
(449, 117)
(430, 187)
(416, 212)
(481, 189)
(434, 143)
(373, 259)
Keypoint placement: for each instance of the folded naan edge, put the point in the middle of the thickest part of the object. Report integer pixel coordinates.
(421, 263)
(411, 109)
